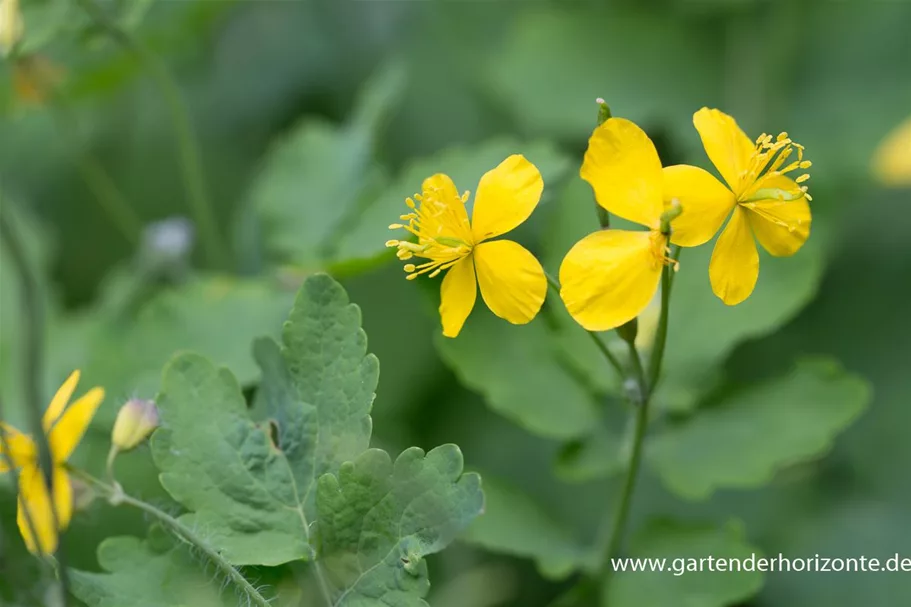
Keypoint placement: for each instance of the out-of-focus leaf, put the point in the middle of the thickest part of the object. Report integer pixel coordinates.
(314, 182)
(215, 316)
(850, 528)
(138, 575)
(677, 543)
(43, 20)
(513, 523)
(753, 432)
(366, 238)
(603, 453)
(318, 392)
(556, 61)
(378, 520)
(520, 374)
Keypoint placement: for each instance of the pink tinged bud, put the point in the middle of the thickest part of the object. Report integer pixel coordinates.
(136, 420)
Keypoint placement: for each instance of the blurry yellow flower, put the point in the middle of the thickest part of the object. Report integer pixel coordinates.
(512, 281)
(64, 427)
(11, 25)
(135, 421)
(610, 276)
(892, 160)
(766, 203)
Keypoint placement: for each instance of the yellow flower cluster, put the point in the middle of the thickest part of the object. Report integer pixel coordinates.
(610, 276)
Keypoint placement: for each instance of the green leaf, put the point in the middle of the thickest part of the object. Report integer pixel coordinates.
(313, 182)
(464, 164)
(680, 547)
(252, 495)
(521, 375)
(751, 433)
(555, 62)
(513, 523)
(138, 575)
(378, 520)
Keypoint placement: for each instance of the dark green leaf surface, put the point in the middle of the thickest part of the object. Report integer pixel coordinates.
(741, 441)
(669, 541)
(378, 520)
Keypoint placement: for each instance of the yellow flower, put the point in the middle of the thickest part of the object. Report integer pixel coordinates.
(512, 281)
(892, 160)
(11, 25)
(610, 276)
(64, 430)
(766, 203)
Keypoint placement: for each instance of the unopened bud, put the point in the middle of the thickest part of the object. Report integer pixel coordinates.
(671, 213)
(11, 25)
(603, 111)
(136, 420)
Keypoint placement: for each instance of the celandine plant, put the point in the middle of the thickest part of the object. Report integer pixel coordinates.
(608, 278)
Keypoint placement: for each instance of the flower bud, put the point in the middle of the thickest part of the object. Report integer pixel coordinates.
(11, 26)
(136, 420)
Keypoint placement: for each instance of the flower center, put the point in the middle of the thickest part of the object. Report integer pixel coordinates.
(442, 230)
(660, 250)
(761, 180)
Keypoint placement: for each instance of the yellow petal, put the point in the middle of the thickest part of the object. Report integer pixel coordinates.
(892, 160)
(609, 277)
(704, 200)
(68, 430)
(33, 498)
(735, 261)
(445, 212)
(726, 144)
(506, 197)
(16, 447)
(61, 398)
(781, 226)
(512, 280)
(623, 168)
(457, 296)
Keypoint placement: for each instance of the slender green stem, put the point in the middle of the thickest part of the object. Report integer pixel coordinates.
(599, 343)
(654, 363)
(639, 373)
(32, 307)
(116, 496)
(188, 149)
(106, 193)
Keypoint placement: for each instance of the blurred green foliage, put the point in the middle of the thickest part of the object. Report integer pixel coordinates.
(317, 118)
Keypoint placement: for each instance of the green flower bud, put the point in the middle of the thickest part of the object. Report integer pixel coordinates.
(136, 420)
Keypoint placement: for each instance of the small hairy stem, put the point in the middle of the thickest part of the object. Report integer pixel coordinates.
(116, 496)
(188, 149)
(599, 343)
(32, 307)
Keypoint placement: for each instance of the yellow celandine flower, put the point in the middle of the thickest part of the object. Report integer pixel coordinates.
(892, 159)
(766, 203)
(610, 276)
(512, 281)
(64, 427)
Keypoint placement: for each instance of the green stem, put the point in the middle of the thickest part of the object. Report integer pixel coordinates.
(599, 343)
(621, 515)
(654, 363)
(32, 307)
(188, 149)
(106, 193)
(116, 496)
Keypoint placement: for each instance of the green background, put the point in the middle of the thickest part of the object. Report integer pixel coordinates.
(316, 119)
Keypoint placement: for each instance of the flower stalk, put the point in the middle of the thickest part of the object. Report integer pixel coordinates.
(188, 147)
